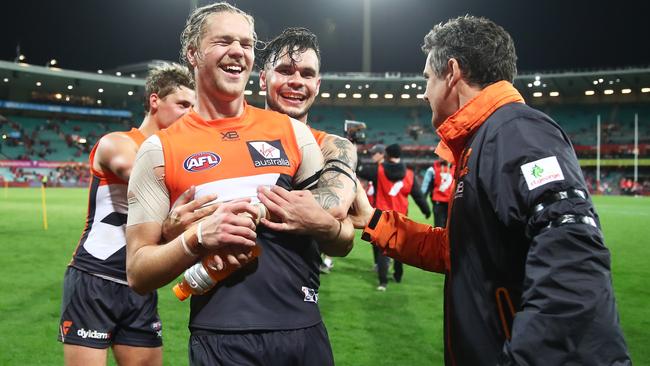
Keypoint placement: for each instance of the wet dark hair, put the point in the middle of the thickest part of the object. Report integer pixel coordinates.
(484, 50)
(292, 42)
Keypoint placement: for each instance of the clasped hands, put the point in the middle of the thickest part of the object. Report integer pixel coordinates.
(228, 228)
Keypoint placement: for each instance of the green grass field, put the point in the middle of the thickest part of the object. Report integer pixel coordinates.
(402, 326)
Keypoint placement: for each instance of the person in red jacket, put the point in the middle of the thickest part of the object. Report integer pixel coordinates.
(394, 183)
(439, 182)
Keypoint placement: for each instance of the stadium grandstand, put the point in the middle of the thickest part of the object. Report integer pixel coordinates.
(50, 118)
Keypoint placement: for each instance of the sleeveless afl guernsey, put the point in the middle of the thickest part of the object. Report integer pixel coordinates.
(318, 135)
(232, 157)
(102, 248)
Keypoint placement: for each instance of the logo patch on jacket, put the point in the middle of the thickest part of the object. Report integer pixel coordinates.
(267, 153)
(201, 161)
(542, 171)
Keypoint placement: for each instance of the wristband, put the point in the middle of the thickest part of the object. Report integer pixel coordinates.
(186, 247)
(199, 235)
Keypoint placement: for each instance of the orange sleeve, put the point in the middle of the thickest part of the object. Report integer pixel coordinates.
(410, 242)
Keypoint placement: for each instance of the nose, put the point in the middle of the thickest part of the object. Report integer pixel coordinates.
(236, 50)
(296, 80)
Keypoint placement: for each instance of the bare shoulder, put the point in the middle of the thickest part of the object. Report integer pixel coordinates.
(114, 143)
(116, 152)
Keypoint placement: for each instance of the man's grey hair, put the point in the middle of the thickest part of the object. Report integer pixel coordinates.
(484, 50)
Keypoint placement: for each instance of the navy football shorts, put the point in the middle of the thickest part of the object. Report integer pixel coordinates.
(98, 313)
(307, 346)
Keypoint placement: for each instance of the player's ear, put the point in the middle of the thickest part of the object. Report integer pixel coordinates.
(191, 57)
(318, 86)
(153, 101)
(262, 80)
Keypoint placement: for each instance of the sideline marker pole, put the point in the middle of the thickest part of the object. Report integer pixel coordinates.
(44, 204)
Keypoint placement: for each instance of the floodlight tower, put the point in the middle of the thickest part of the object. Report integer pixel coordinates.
(366, 45)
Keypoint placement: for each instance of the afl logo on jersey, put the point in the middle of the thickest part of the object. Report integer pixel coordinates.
(201, 161)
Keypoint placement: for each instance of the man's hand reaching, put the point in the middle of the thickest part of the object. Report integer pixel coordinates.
(186, 212)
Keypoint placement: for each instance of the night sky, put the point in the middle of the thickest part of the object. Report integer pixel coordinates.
(549, 34)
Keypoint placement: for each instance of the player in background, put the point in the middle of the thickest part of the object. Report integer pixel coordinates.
(98, 309)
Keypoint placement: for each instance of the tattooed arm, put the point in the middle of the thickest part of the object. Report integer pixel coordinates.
(321, 212)
(337, 184)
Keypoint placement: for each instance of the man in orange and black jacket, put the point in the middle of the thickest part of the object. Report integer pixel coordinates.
(528, 278)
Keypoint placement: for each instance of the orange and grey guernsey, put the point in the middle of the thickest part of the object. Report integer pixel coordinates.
(232, 157)
(318, 135)
(102, 248)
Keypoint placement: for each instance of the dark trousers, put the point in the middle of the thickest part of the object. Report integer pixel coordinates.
(440, 213)
(382, 267)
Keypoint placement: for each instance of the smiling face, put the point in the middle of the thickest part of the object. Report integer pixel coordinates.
(438, 95)
(292, 83)
(224, 60)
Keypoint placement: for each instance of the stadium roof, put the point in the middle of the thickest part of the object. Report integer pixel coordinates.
(31, 83)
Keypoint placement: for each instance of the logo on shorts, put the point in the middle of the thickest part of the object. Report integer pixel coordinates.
(91, 333)
(64, 328)
(201, 161)
(157, 328)
(311, 295)
(267, 153)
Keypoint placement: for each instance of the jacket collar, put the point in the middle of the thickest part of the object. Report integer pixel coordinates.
(456, 130)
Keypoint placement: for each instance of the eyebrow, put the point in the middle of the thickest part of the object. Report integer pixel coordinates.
(293, 65)
(230, 39)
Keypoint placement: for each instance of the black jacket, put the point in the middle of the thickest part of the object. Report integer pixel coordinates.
(530, 284)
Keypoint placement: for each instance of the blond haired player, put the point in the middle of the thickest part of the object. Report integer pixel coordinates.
(267, 312)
